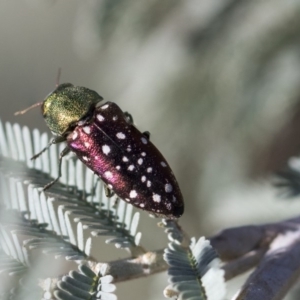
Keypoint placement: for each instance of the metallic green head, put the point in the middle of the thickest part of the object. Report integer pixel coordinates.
(67, 105)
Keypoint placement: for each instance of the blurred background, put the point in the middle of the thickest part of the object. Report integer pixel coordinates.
(217, 83)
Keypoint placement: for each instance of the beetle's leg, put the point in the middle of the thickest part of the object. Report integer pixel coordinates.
(94, 188)
(147, 135)
(61, 155)
(55, 140)
(128, 117)
(116, 202)
(108, 192)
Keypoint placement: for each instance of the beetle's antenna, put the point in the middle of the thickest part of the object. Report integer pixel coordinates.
(58, 77)
(21, 112)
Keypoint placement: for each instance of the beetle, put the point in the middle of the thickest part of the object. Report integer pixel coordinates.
(105, 139)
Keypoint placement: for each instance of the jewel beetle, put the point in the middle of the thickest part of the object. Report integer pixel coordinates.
(105, 139)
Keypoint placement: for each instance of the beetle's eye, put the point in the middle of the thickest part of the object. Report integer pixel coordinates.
(43, 108)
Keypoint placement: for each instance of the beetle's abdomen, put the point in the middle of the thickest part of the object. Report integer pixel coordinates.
(127, 161)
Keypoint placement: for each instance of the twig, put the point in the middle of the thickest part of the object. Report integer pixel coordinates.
(126, 269)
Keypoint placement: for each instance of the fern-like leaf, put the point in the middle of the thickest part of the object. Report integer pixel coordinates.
(194, 271)
(76, 208)
(85, 285)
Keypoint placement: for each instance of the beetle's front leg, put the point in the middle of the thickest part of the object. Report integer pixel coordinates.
(61, 155)
(55, 140)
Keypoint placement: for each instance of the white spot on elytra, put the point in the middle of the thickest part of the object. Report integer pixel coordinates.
(168, 188)
(75, 135)
(115, 118)
(140, 161)
(104, 106)
(87, 144)
(109, 186)
(118, 167)
(142, 205)
(156, 198)
(149, 170)
(143, 153)
(163, 164)
(105, 149)
(143, 178)
(85, 158)
(87, 129)
(131, 167)
(132, 194)
(174, 199)
(148, 183)
(108, 174)
(100, 118)
(120, 135)
(128, 149)
(125, 159)
(169, 206)
(144, 140)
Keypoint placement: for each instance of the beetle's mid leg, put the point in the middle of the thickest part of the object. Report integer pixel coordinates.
(108, 192)
(116, 202)
(94, 188)
(128, 117)
(61, 155)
